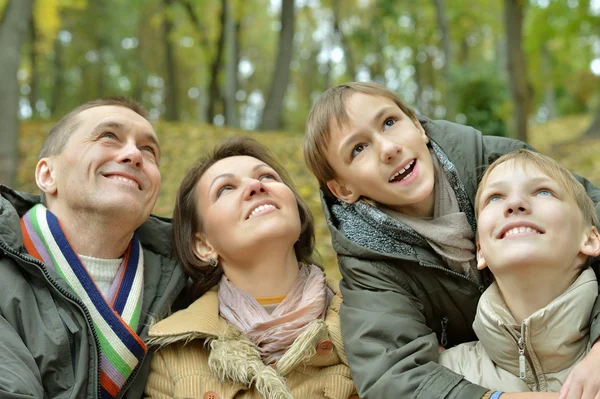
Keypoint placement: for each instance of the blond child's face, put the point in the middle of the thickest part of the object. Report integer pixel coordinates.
(381, 154)
(526, 218)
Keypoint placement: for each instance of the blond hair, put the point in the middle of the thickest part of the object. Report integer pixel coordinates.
(328, 112)
(553, 170)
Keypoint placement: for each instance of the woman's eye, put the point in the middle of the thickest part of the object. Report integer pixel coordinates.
(389, 122)
(544, 193)
(358, 149)
(267, 176)
(223, 190)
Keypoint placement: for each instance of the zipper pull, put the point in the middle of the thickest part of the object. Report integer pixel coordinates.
(521, 363)
(444, 337)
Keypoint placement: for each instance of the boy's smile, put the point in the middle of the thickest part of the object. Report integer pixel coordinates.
(381, 154)
(527, 219)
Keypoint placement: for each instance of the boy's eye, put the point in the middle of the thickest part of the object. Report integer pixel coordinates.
(224, 189)
(389, 122)
(544, 193)
(358, 149)
(494, 198)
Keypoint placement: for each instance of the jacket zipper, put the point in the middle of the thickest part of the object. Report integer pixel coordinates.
(444, 338)
(524, 357)
(66, 294)
(479, 286)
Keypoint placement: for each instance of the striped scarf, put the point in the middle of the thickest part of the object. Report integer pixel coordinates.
(116, 317)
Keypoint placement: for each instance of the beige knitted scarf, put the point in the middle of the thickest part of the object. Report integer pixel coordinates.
(306, 301)
(448, 233)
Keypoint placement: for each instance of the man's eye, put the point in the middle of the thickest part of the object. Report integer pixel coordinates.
(109, 135)
(358, 149)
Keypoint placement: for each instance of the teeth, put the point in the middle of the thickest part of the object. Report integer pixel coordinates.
(260, 208)
(403, 170)
(519, 230)
(124, 180)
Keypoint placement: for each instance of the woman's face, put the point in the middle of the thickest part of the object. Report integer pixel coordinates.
(244, 207)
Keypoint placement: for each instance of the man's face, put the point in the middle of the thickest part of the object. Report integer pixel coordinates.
(527, 219)
(381, 154)
(109, 165)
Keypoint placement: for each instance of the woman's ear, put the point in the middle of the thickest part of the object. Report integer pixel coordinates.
(202, 248)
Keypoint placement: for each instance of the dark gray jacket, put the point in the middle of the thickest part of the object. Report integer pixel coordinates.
(400, 299)
(47, 345)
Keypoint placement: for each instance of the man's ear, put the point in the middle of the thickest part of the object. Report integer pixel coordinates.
(45, 176)
(481, 263)
(202, 248)
(591, 243)
(421, 129)
(342, 191)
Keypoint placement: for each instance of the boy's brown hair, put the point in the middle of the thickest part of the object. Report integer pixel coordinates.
(553, 170)
(329, 112)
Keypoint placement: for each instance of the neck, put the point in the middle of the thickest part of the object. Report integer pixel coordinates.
(95, 235)
(423, 209)
(267, 272)
(528, 289)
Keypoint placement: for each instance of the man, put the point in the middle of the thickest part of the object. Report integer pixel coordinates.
(85, 268)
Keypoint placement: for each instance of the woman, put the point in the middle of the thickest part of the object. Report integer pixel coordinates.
(269, 327)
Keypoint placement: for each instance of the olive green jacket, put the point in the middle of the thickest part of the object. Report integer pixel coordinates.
(47, 344)
(400, 300)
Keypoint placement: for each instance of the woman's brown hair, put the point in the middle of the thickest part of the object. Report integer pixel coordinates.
(187, 221)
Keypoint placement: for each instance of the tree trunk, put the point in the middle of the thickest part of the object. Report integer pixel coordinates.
(517, 67)
(232, 31)
(59, 83)
(272, 113)
(350, 65)
(34, 81)
(442, 21)
(549, 94)
(13, 32)
(171, 103)
(213, 87)
(594, 129)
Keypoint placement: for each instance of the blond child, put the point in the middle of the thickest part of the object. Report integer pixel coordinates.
(536, 231)
(397, 195)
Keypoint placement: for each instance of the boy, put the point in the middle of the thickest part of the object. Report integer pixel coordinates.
(536, 230)
(397, 194)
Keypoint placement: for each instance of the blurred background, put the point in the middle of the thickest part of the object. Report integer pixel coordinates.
(210, 69)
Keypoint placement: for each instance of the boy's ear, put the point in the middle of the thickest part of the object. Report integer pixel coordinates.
(421, 129)
(202, 248)
(342, 191)
(591, 244)
(45, 176)
(481, 263)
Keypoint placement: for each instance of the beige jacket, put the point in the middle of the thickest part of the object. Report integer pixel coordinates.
(554, 339)
(200, 355)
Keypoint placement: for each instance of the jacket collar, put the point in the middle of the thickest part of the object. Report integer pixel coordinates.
(554, 337)
(201, 320)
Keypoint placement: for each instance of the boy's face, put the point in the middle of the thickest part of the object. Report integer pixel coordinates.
(526, 219)
(381, 154)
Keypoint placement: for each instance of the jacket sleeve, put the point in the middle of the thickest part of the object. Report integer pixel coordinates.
(19, 374)
(160, 383)
(391, 351)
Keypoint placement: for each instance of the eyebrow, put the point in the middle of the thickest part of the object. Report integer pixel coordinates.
(533, 181)
(119, 126)
(352, 137)
(223, 175)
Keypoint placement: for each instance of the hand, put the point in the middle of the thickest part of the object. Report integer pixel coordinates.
(584, 380)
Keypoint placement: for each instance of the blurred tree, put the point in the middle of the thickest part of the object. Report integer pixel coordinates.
(232, 33)
(171, 92)
(272, 112)
(517, 67)
(13, 33)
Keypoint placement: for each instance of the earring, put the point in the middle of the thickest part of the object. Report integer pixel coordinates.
(213, 262)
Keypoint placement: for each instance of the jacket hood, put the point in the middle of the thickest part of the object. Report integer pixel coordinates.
(555, 336)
